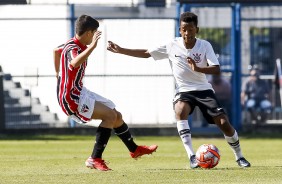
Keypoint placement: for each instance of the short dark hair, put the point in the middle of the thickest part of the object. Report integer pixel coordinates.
(189, 17)
(85, 23)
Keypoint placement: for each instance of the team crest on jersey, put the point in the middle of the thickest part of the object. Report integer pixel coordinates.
(197, 57)
(84, 108)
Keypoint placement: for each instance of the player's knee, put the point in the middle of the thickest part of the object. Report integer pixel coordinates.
(181, 114)
(223, 123)
(222, 120)
(119, 116)
(111, 117)
(119, 120)
(181, 110)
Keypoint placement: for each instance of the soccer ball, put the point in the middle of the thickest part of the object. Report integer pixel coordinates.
(207, 156)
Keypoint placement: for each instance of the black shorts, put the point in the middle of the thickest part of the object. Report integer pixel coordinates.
(205, 100)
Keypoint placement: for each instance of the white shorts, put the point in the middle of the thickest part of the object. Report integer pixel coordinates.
(86, 105)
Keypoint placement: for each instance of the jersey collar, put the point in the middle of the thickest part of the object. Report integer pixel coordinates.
(83, 47)
(183, 45)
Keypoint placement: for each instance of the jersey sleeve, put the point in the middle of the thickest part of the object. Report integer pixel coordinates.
(61, 47)
(71, 54)
(159, 53)
(210, 55)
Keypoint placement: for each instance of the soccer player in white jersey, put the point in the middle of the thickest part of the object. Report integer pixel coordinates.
(190, 59)
(83, 105)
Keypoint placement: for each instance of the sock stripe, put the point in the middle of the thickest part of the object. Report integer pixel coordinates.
(234, 144)
(185, 131)
(122, 132)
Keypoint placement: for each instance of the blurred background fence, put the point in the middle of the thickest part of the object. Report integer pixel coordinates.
(141, 88)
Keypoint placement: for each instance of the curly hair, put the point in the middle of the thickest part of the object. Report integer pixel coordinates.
(189, 17)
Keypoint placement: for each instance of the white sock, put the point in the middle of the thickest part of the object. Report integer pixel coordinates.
(235, 145)
(185, 135)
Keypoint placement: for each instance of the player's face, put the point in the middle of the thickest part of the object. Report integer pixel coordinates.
(188, 31)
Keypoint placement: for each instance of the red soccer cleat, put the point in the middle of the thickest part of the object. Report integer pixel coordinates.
(97, 163)
(143, 150)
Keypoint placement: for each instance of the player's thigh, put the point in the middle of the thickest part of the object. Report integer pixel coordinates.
(103, 112)
(182, 108)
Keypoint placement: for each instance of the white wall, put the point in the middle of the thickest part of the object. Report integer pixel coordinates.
(26, 45)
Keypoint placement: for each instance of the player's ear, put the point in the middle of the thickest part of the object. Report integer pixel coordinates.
(197, 30)
(90, 32)
(86, 33)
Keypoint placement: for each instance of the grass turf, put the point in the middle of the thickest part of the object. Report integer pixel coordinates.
(60, 159)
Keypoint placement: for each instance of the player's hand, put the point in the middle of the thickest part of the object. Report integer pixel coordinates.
(96, 37)
(192, 63)
(113, 47)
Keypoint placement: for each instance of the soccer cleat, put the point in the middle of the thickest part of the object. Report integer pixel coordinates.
(242, 162)
(143, 150)
(96, 163)
(193, 162)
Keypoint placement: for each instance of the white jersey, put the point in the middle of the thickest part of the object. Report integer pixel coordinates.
(186, 79)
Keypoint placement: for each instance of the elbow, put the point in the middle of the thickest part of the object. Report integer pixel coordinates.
(143, 56)
(74, 64)
(147, 56)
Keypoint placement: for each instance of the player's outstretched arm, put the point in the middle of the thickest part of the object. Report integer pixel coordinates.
(141, 53)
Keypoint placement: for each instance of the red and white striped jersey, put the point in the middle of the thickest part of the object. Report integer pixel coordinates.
(70, 79)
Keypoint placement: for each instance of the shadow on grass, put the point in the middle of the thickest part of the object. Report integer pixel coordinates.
(44, 137)
(219, 169)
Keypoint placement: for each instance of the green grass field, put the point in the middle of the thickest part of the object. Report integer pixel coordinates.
(60, 159)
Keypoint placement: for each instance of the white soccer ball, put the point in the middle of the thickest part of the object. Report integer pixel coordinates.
(207, 156)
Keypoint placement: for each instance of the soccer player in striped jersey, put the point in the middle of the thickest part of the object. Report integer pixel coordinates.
(84, 105)
(190, 59)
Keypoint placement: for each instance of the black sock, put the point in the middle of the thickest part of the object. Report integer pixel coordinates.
(123, 133)
(102, 137)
